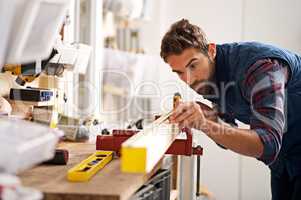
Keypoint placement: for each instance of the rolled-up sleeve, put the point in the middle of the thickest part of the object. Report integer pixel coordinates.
(264, 88)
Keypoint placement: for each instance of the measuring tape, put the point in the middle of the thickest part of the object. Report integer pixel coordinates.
(88, 167)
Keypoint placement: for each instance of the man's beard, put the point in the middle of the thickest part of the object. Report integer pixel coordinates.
(202, 87)
(205, 87)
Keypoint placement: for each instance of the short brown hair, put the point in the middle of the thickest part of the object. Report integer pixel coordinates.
(183, 35)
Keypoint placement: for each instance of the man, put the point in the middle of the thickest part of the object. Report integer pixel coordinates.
(255, 83)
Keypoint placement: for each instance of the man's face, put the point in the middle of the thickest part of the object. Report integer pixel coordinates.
(194, 68)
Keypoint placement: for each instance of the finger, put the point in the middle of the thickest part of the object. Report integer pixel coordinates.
(184, 107)
(185, 114)
(210, 113)
(188, 107)
(178, 110)
(189, 121)
(204, 106)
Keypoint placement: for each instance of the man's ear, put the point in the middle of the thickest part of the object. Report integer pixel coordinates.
(212, 50)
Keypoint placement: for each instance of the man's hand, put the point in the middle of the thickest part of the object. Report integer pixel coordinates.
(210, 113)
(188, 114)
(199, 116)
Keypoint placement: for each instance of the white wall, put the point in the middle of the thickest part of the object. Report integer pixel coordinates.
(223, 27)
(226, 174)
(274, 21)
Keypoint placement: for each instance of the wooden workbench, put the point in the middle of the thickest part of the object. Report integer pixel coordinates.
(108, 184)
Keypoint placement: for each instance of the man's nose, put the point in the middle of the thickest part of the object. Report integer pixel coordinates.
(186, 78)
(183, 77)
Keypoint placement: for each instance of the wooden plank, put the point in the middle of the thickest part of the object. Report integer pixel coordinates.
(108, 184)
(142, 151)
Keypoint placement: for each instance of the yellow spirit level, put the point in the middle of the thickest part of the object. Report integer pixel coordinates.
(88, 167)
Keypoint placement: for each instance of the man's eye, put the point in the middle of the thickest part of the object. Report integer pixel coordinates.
(192, 66)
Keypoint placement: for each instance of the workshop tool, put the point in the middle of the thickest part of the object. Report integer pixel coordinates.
(77, 129)
(61, 157)
(198, 176)
(37, 97)
(30, 71)
(138, 124)
(31, 94)
(177, 98)
(88, 167)
(181, 146)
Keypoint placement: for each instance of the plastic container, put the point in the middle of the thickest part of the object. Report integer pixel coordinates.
(25, 144)
(11, 189)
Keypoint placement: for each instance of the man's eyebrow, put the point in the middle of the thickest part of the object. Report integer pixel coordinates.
(193, 59)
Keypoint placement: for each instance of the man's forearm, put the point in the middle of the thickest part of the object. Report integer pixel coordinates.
(242, 141)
